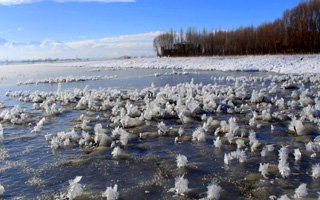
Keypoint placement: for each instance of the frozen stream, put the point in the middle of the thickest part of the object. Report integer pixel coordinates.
(160, 110)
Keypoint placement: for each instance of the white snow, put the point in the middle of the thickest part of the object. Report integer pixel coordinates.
(286, 64)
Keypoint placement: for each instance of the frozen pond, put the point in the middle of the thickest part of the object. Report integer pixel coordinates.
(160, 113)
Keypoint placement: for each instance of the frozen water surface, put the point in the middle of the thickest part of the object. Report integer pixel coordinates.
(243, 109)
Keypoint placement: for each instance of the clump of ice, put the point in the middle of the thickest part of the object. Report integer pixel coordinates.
(240, 144)
(2, 190)
(233, 125)
(297, 126)
(263, 168)
(1, 133)
(75, 188)
(84, 141)
(256, 97)
(3, 154)
(316, 170)
(162, 128)
(297, 154)
(264, 151)
(180, 186)
(217, 143)
(266, 115)
(122, 134)
(182, 161)
(111, 193)
(284, 197)
(67, 79)
(116, 131)
(313, 146)
(238, 154)
(117, 152)
(14, 115)
(39, 125)
(181, 131)
(253, 141)
(214, 191)
(230, 137)
(301, 191)
(100, 138)
(124, 138)
(55, 143)
(283, 165)
(199, 135)
(272, 128)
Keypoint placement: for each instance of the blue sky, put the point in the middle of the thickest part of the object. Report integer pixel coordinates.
(111, 28)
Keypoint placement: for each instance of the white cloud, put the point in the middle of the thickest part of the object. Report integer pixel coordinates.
(131, 45)
(100, 1)
(18, 2)
(81, 43)
(133, 37)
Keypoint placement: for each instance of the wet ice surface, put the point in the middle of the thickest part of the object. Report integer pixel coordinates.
(163, 114)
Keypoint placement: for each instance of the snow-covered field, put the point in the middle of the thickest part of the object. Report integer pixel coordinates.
(161, 128)
(272, 63)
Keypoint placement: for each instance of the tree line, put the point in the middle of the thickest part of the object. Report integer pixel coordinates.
(297, 31)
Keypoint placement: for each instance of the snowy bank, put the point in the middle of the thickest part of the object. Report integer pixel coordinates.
(272, 63)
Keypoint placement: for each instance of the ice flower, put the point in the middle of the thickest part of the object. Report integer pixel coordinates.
(297, 154)
(316, 170)
(199, 135)
(1, 133)
(217, 143)
(111, 193)
(181, 161)
(283, 165)
(301, 191)
(2, 190)
(296, 126)
(75, 188)
(263, 168)
(238, 154)
(116, 152)
(181, 131)
(162, 128)
(284, 197)
(180, 186)
(214, 191)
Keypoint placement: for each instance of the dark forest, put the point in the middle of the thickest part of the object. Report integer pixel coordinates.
(297, 31)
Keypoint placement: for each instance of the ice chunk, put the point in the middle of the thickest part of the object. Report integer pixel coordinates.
(75, 188)
(301, 191)
(181, 161)
(111, 193)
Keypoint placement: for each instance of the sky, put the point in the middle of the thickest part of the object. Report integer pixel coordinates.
(39, 29)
